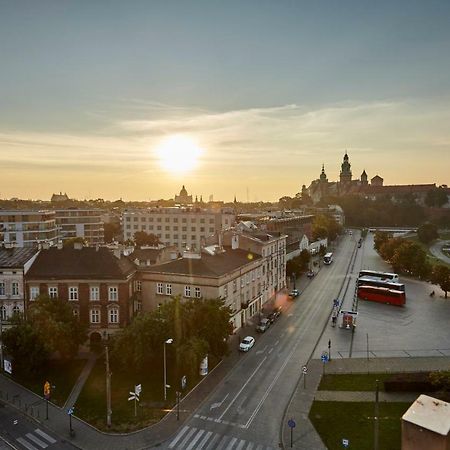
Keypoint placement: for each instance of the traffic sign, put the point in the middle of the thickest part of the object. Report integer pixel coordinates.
(70, 411)
(305, 370)
(138, 389)
(324, 358)
(47, 390)
(291, 423)
(183, 382)
(345, 443)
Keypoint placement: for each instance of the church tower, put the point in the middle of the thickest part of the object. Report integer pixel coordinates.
(323, 183)
(346, 173)
(364, 181)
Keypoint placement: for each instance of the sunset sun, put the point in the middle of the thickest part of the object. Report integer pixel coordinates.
(178, 154)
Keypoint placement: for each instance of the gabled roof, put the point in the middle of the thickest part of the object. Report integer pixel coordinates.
(16, 257)
(86, 263)
(207, 265)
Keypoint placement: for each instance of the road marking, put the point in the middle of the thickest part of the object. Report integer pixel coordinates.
(178, 436)
(26, 444)
(212, 444)
(194, 441)
(231, 443)
(218, 404)
(271, 350)
(277, 342)
(188, 436)
(249, 446)
(222, 442)
(37, 441)
(240, 445)
(243, 387)
(45, 436)
(204, 440)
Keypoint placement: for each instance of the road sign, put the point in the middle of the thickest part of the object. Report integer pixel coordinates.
(70, 411)
(324, 357)
(291, 423)
(345, 443)
(305, 370)
(138, 389)
(183, 382)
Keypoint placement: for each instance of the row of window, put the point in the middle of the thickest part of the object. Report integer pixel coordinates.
(95, 315)
(4, 311)
(187, 290)
(73, 294)
(14, 288)
(168, 228)
(166, 219)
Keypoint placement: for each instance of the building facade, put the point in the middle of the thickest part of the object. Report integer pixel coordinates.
(14, 264)
(21, 228)
(186, 228)
(83, 223)
(97, 284)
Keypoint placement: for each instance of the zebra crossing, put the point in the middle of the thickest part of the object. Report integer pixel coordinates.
(192, 438)
(36, 440)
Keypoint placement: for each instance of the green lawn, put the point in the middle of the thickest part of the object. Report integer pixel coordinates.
(353, 382)
(60, 374)
(91, 405)
(354, 421)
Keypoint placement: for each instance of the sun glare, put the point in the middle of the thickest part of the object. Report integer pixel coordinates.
(178, 154)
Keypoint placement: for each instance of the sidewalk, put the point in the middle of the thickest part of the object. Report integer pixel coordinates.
(87, 437)
(73, 397)
(305, 435)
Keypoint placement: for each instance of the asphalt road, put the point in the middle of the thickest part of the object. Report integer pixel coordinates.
(245, 410)
(18, 432)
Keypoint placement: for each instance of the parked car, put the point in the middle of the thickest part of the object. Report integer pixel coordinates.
(294, 293)
(274, 314)
(310, 274)
(246, 344)
(263, 325)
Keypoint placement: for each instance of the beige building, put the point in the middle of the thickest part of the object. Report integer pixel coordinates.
(84, 223)
(186, 228)
(426, 425)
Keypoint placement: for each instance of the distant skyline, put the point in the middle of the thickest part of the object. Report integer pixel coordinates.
(90, 91)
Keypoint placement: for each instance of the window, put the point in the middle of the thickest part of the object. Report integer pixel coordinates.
(197, 292)
(15, 288)
(225, 291)
(76, 312)
(193, 229)
(234, 285)
(211, 230)
(168, 289)
(2, 288)
(95, 315)
(16, 310)
(34, 292)
(159, 288)
(138, 286)
(94, 293)
(53, 292)
(113, 315)
(113, 293)
(187, 291)
(183, 228)
(167, 228)
(3, 312)
(73, 293)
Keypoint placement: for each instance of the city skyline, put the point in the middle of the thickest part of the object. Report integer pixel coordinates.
(266, 93)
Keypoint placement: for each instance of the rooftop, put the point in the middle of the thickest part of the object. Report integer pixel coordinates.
(15, 257)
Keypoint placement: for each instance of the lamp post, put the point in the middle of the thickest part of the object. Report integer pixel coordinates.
(168, 341)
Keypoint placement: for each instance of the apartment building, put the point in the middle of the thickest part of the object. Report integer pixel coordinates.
(97, 284)
(186, 228)
(20, 228)
(84, 223)
(14, 264)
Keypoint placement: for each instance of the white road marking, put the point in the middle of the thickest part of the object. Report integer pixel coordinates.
(240, 445)
(277, 342)
(194, 441)
(26, 444)
(222, 442)
(271, 350)
(231, 443)
(204, 440)
(249, 446)
(178, 436)
(45, 436)
(212, 444)
(218, 404)
(37, 441)
(187, 437)
(243, 387)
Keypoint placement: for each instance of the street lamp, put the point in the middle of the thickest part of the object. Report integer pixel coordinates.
(168, 341)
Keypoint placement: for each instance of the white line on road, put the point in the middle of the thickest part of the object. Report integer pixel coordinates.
(26, 444)
(194, 441)
(243, 387)
(271, 350)
(231, 443)
(204, 440)
(178, 436)
(187, 437)
(37, 441)
(277, 342)
(45, 436)
(218, 404)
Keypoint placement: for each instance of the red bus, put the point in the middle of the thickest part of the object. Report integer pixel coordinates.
(368, 281)
(382, 295)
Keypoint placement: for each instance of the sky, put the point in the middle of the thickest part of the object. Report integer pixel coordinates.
(267, 91)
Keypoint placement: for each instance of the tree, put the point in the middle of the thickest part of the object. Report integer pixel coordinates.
(410, 258)
(325, 227)
(427, 232)
(388, 248)
(26, 346)
(380, 238)
(69, 243)
(111, 230)
(58, 327)
(441, 276)
(143, 238)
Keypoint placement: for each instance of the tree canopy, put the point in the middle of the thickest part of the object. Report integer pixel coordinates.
(143, 238)
(427, 232)
(441, 276)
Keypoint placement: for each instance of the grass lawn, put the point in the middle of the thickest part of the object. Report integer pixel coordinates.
(61, 374)
(432, 259)
(353, 382)
(354, 421)
(91, 404)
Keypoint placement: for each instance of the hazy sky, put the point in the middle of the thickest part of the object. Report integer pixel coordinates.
(269, 90)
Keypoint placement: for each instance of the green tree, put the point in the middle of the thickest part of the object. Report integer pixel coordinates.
(143, 238)
(55, 323)
(26, 346)
(388, 248)
(410, 258)
(441, 276)
(69, 243)
(380, 238)
(325, 227)
(427, 232)
(111, 231)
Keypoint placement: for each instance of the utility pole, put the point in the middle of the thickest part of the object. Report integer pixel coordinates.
(108, 389)
(376, 419)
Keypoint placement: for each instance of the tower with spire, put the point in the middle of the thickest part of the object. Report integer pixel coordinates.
(364, 181)
(346, 173)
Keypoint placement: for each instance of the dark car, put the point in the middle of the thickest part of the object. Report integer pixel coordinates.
(310, 274)
(263, 325)
(294, 293)
(274, 315)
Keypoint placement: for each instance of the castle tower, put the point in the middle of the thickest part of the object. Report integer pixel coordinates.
(364, 181)
(346, 173)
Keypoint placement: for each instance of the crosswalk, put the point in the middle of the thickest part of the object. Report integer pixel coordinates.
(36, 440)
(191, 438)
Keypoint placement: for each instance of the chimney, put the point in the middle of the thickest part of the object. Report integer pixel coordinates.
(77, 245)
(235, 242)
(45, 245)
